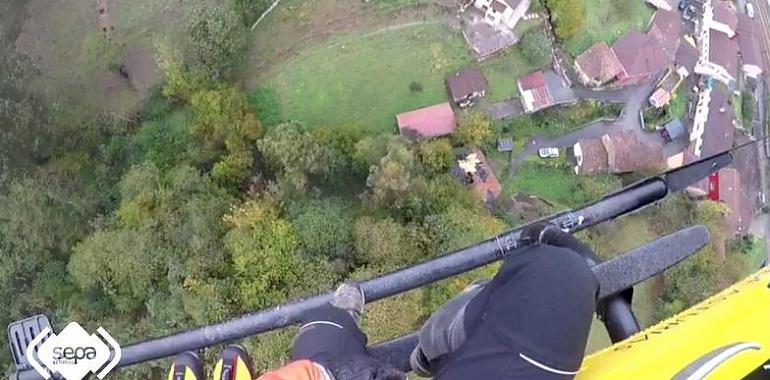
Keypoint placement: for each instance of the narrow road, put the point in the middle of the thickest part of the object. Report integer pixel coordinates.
(761, 225)
(634, 97)
(762, 10)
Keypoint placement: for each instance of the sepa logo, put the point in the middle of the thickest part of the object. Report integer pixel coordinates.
(73, 353)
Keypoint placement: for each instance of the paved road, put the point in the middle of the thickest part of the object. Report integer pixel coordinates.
(635, 97)
(762, 10)
(761, 225)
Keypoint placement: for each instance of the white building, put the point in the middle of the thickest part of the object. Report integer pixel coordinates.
(505, 13)
(718, 49)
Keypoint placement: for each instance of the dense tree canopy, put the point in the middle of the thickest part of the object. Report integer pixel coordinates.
(218, 40)
(474, 129)
(568, 16)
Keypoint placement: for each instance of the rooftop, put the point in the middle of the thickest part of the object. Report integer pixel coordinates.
(747, 42)
(723, 51)
(686, 55)
(466, 82)
(666, 27)
(738, 219)
(593, 157)
(534, 91)
(433, 121)
(599, 63)
(639, 54)
(718, 130)
(724, 13)
(626, 153)
(675, 129)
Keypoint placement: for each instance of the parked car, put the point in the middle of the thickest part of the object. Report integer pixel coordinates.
(750, 9)
(550, 152)
(682, 5)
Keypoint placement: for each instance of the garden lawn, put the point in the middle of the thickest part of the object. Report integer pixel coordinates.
(394, 5)
(607, 20)
(556, 182)
(366, 80)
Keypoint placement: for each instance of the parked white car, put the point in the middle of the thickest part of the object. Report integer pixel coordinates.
(550, 152)
(750, 9)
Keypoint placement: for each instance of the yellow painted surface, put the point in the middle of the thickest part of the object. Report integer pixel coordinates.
(739, 314)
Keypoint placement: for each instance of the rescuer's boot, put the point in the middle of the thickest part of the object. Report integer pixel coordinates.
(234, 364)
(350, 297)
(186, 366)
(419, 363)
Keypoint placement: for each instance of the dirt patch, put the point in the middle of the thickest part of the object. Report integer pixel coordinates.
(103, 18)
(78, 43)
(13, 13)
(141, 70)
(112, 84)
(293, 26)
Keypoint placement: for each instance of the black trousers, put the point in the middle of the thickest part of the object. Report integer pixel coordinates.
(530, 322)
(328, 331)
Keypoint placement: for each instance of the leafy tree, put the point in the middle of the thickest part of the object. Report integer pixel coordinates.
(383, 243)
(123, 263)
(370, 150)
(250, 10)
(445, 191)
(263, 246)
(222, 117)
(180, 82)
(164, 237)
(323, 228)
(474, 129)
(166, 143)
(336, 149)
(536, 47)
(395, 178)
(436, 155)
(218, 40)
(704, 273)
(568, 17)
(289, 151)
(457, 227)
(26, 122)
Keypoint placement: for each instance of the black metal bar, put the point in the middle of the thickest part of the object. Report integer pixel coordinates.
(619, 318)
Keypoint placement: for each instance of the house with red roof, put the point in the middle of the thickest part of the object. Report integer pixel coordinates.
(534, 92)
(597, 65)
(725, 187)
(640, 56)
(428, 122)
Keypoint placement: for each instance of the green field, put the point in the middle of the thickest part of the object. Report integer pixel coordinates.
(556, 182)
(607, 20)
(367, 79)
(394, 5)
(75, 56)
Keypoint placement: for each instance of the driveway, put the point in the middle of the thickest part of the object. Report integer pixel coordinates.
(504, 110)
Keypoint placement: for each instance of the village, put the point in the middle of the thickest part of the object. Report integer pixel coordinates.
(682, 83)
